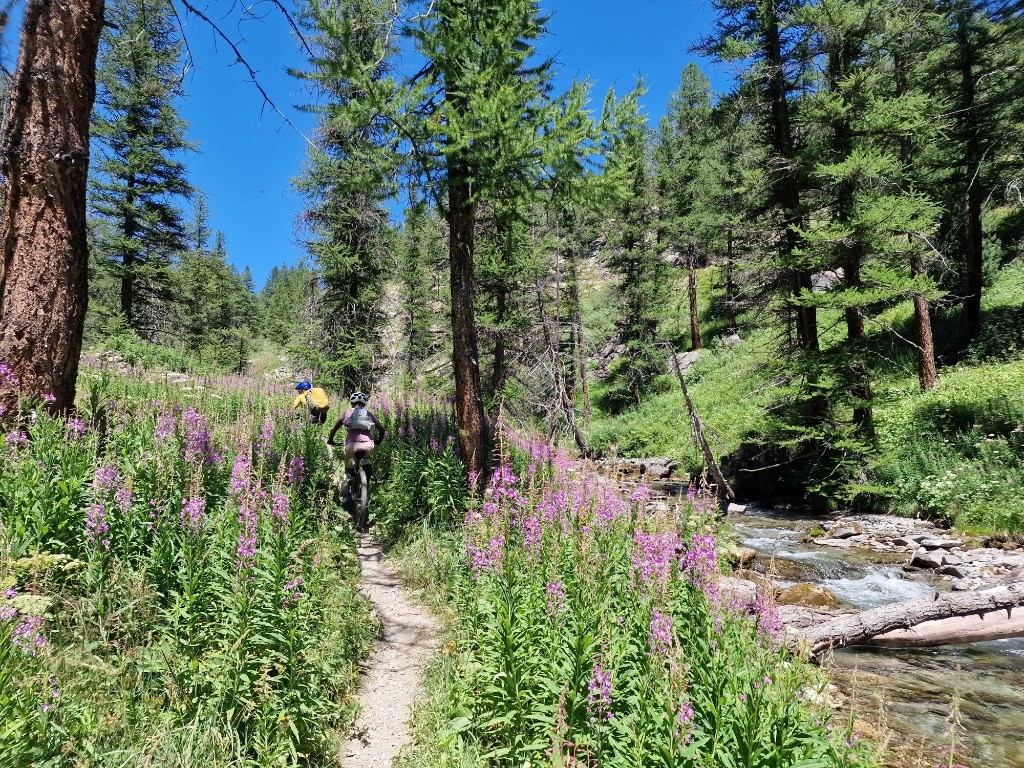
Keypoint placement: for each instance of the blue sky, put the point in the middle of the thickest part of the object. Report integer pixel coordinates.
(249, 155)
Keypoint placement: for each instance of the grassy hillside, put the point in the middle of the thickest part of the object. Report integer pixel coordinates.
(952, 452)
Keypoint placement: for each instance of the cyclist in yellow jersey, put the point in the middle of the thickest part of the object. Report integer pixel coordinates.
(315, 399)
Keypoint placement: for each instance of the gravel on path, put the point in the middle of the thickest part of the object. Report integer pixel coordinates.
(393, 673)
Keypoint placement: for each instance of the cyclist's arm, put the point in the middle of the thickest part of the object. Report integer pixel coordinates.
(334, 430)
(296, 403)
(380, 428)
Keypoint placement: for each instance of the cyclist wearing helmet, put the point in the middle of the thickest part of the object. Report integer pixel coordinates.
(360, 425)
(315, 399)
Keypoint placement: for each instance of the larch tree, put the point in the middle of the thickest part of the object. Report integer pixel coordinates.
(138, 177)
(44, 160)
(480, 119)
(349, 176)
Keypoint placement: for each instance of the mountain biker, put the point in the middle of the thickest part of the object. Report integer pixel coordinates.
(359, 424)
(313, 398)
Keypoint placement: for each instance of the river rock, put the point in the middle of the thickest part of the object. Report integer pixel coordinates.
(738, 593)
(838, 543)
(939, 543)
(909, 541)
(736, 509)
(737, 555)
(955, 571)
(808, 596)
(846, 531)
(924, 558)
(951, 560)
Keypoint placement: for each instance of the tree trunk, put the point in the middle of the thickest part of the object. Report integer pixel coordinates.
(787, 189)
(724, 489)
(925, 342)
(730, 286)
(973, 255)
(857, 628)
(691, 278)
(469, 406)
(45, 162)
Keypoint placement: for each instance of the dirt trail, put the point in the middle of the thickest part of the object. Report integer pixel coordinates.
(393, 672)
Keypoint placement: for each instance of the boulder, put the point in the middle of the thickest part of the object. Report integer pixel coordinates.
(764, 584)
(808, 596)
(732, 340)
(910, 541)
(953, 570)
(939, 543)
(846, 531)
(838, 543)
(683, 361)
(737, 555)
(738, 593)
(736, 509)
(924, 558)
(951, 560)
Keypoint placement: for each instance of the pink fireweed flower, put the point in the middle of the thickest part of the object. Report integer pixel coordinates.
(193, 514)
(434, 445)
(164, 426)
(280, 511)
(266, 439)
(296, 471)
(52, 697)
(556, 598)
(654, 557)
(599, 698)
(107, 478)
(197, 435)
(701, 560)
(240, 476)
(8, 378)
(641, 496)
(684, 721)
(15, 438)
(487, 558)
(76, 427)
(29, 636)
(97, 529)
(768, 623)
(247, 538)
(48, 397)
(293, 592)
(659, 641)
(123, 498)
(532, 535)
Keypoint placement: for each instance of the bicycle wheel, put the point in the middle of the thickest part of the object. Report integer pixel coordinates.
(362, 500)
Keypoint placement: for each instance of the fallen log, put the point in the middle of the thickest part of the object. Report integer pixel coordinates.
(953, 631)
(859, 628)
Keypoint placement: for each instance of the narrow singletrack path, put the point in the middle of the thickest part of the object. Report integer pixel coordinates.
(393, 673)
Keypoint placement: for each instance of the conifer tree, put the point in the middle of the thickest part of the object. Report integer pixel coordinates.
(632, 252)
(139, 178)
(485, 123)
(348, 177)
(423, 294)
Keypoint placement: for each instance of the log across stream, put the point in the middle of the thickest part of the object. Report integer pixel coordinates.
(917, 686)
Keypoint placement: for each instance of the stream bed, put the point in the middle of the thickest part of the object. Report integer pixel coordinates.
(911, 691)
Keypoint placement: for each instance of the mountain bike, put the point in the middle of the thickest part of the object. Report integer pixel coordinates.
(355, 489)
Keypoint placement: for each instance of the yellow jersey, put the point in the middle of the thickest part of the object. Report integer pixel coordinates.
(315, 398)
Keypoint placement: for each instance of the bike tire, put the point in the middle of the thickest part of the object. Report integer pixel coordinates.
(363, 500)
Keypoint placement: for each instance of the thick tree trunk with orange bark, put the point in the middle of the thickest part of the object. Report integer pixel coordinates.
(45, 161)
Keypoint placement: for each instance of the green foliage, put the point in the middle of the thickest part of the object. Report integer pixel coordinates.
(577, 635)
(348, 178)
(173, 588)
(138, 176)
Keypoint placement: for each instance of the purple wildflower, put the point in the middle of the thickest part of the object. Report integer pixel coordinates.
(97, 529)
(296, 470)
(654, 555)
(54, 694)
(48, 397)
(701, 562)
(15, 438)
(659, 641)
(28, 635)
(76, 427)
(266, 439)
(164, 426)
(107, 478)
(197, 435)
(280, 511)
(193, 514)
(293, 591)
(247, 537)
(555, 598)
(8, 378)
(599, 698)
(123, 498)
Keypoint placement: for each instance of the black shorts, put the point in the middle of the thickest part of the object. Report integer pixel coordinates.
(317, 417)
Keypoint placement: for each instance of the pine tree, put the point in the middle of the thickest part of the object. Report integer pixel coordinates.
(347, 180)
(139, 178)
(486, 125)
(421, 257)
(632, 252)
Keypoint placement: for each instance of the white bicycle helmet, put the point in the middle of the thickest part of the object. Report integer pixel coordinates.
(358, 398)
